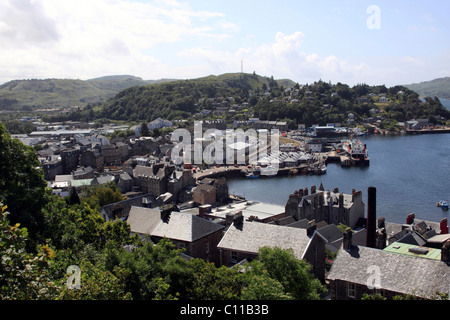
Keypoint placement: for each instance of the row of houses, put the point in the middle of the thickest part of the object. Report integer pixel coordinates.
(373, 256)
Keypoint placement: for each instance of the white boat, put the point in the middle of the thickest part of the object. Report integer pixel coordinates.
(443, 204)
(357, 152)
(268, 171)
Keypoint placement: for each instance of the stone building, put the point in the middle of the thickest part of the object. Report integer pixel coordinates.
(243, 239)
(359, 270)
(69, 159)
(333, 207)
(92, 158)
(198, 236)
(204, 194)
(115, 153)
(153, 179)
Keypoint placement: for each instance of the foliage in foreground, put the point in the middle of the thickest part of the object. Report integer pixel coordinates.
(114, 265)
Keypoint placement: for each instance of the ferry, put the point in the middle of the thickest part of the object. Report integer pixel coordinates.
(357, 152)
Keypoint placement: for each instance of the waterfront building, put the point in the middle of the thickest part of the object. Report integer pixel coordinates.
(333, 207)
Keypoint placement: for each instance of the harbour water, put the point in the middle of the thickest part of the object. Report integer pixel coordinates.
(411, 174)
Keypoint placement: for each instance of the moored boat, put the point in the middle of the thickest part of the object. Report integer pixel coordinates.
(357, 152)
(269, 171)
(443, 204)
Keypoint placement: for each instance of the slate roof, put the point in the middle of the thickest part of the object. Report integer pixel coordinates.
(398, 273)
(254, 235)
(143, 220)
(185, 227)
(177, 226)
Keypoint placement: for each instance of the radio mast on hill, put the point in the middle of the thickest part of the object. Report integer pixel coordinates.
(242, 66)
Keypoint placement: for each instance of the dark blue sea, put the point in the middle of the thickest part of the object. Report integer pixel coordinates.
(411, 174)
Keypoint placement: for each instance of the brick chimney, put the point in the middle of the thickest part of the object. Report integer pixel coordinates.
(347, 242)
(410, 218)
(203, 210)
(371, 225)
(445, 252)
(234, 217)
(311, 228)
(444, 226)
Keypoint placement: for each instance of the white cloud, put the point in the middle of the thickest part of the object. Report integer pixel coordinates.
(281, 58)
(85, 38)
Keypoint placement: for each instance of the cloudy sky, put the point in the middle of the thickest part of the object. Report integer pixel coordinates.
(348, 41)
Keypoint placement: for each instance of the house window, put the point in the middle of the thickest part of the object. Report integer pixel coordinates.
(233, 257)
(351, 290)
(207, 247)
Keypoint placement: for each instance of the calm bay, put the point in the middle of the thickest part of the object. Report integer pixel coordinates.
(411, 174)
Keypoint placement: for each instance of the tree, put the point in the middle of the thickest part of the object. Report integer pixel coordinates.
(294, 275)
(22, 184)
(96, 283)
(101, 195)
(152, 271)
(23, 276)
(144, 130)
(73, 196)
(211, 283)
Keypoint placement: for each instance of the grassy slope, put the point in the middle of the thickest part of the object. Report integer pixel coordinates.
(438, 87)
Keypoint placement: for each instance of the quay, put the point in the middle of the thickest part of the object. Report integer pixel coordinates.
(427, 131)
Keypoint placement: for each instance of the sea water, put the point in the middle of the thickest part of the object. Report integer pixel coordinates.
(410, 172)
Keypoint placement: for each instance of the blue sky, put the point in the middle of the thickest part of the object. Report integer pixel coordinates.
(301, 40)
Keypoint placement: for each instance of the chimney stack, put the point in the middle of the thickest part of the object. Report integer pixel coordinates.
(371, 226)
(444, 226)
(410, 218)
(202, 210)
(311, 228)
(347, 242)
(445, 252)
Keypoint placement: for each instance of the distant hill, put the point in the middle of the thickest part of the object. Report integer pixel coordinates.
(236, 97)
(34, 93)
(182, 98)
(435, 88)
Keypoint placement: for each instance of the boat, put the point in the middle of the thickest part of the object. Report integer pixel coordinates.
(443, 204)
(357, 152)
(251, 175)
(269, 171)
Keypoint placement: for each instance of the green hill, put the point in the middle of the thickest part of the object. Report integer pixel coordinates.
(238, 97)
(182, 98)
(435, 88)
(36, 93)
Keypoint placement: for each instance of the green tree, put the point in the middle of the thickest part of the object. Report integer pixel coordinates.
(144, 130)
(212, 283)
(96, 283)
(23, 276)
(101, 195)
(294, 275)
(22, 184)
(263, 287)
(152, 271)
(73, 196)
